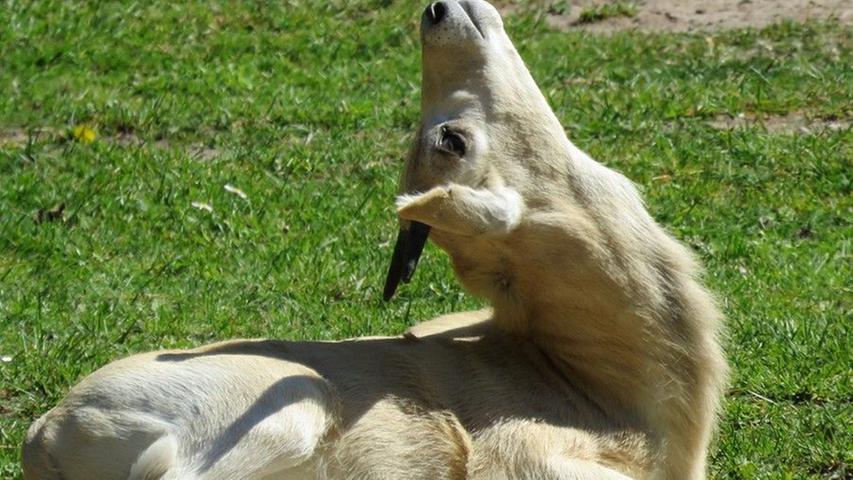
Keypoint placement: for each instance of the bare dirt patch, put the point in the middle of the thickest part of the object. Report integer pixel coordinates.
(790, 123)
(19, 137)
(691, 15)
(16, 137)
(13, 136)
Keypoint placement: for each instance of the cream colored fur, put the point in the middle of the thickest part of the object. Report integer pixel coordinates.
(599, 358)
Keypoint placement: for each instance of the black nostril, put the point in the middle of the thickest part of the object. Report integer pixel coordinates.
(435, 12)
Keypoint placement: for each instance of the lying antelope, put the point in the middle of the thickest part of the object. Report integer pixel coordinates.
(599, 358)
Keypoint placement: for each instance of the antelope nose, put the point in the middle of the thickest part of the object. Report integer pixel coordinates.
(435, 12)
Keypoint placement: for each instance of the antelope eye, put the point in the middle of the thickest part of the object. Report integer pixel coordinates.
(451, 142)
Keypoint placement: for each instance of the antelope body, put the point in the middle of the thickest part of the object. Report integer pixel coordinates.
(598, 358)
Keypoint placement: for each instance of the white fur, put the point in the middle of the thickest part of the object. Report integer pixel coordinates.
(598, 359)
(470, 211)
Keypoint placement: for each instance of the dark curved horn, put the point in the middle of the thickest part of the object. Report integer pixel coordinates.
(407, 250)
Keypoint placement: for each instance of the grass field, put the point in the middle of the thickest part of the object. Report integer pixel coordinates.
(121, 236)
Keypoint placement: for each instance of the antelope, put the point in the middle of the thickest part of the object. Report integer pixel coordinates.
(598, 358)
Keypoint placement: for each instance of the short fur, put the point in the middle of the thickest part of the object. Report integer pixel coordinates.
(599, 358)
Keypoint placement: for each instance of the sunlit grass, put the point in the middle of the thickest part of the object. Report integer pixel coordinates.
(127, 239)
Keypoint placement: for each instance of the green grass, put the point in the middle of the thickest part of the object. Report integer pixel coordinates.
(307, 107)
(597, 13)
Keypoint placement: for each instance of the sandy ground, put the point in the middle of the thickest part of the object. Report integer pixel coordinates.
(697, 15)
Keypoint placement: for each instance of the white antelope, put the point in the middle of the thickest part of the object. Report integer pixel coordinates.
(599, 358)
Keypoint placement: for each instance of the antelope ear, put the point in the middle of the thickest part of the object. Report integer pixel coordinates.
(464, 210)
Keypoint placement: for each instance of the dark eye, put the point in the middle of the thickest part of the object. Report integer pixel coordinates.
(451, 142)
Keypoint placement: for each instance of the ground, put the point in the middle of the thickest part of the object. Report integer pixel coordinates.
(174, 173)
(686, 15)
